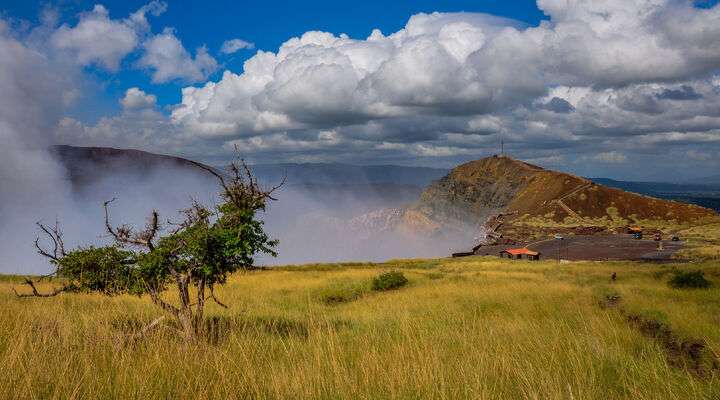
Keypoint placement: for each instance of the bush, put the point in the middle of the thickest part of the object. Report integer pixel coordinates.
(389, 281)
(689, 279)
(342, 292)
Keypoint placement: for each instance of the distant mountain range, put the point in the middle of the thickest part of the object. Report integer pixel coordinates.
(706, 194)
(713, 180)
(90, 164)
(87, 165)
(343, 212)
(348, 174)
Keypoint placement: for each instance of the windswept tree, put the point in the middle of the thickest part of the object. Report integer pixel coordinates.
(190, 256)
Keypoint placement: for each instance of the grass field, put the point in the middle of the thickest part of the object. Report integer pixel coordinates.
(463, 328)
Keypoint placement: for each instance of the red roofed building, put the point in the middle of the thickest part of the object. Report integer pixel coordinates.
(517, 254)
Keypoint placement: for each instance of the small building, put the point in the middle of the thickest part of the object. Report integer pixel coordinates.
(519, 254)
(634, 230)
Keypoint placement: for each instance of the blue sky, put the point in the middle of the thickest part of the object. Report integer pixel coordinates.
(624, 89)
(266, 24)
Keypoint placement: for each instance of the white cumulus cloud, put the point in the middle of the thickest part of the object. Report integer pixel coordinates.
(169, 60)
(622, 81)
(136, 99)
(98, 39)
(459, 64)
(234, 45)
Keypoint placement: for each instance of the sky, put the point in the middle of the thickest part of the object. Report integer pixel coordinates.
(628, 89)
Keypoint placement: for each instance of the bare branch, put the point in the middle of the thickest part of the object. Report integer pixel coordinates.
(212, 297)
(244, 191)
(56, 237)
(212, 172)
(59, 238)
(193, 215)
(36, 293)
(155, 297)
(215, 299)
(276, 187)
(125, 235)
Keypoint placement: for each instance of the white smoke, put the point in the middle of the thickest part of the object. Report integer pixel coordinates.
(31, 99)
(34, 186)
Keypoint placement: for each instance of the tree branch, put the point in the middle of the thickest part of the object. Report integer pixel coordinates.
(36, 293)
(56, 237)
(215, 299)
(212, 172)
(124, 235)
(155, 297)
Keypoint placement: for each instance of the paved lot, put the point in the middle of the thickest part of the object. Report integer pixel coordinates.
(597, 247)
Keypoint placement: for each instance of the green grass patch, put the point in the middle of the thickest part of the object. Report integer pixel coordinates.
(342, 291)
(390, 280)
(689, 280)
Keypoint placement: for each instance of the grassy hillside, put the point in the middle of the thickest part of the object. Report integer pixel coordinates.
(463, 328)
(539, 198)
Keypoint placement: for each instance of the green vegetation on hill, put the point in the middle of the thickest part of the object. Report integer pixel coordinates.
(462, 328)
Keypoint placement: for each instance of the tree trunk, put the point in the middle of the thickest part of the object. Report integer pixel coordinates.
(200, 308)
(185, 316)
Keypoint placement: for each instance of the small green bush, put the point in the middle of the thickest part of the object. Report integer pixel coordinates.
(342, 292)
(689, 279)
(389, 281)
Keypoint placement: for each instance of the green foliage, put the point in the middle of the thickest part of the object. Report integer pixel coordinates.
(342, 292)
(99, 269)
(207, 249)
(689, 279)
(389, 281)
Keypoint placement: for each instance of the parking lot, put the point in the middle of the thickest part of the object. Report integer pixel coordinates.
(596, 247)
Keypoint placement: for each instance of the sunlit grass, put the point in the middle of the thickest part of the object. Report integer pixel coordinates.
(463, 328)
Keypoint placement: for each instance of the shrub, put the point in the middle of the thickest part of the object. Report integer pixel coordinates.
(689, 279)
(389, 281)
(342, 292)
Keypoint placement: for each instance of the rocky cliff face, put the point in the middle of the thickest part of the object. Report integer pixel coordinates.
(475, 191)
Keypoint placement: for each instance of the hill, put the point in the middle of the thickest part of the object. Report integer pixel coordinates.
(527, 196)
(88, 165)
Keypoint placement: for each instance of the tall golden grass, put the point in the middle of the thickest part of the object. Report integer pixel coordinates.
(475, 328)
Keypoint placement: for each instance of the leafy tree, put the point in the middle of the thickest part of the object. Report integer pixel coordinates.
(191, 256)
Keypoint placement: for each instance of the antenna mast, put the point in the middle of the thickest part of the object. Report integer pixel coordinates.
(502, 145)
